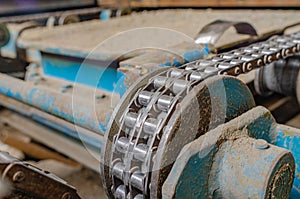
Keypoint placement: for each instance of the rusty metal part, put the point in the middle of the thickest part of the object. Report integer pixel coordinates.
(27, 181)
(158, 104)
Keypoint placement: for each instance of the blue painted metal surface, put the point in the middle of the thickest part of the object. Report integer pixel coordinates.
(92, 73)
(96, 72)
(246, 170)
(197, 170)
(282, 136)
(53, 102)
(88, 139)
(232, 161)
(289, 138)
(105, 14)
(193, 55)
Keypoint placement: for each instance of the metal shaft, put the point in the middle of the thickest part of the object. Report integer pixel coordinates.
(50, 101)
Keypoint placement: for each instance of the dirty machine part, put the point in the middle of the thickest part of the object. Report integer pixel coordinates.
(25, 181)
(170, 108)
(250, 156)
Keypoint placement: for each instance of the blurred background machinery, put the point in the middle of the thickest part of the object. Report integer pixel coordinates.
(17, 16)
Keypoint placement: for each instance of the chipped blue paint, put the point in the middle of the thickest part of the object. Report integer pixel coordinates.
(260, 128)
(190, 56)
(236, 163)
(228, 168)
(72, 65)
(168, 63)
(105, 14)
(177, 62)
(193, 55)
(102, 127)
(289, 138)
(282, 136)
(120, 86)
(51, 102)
(8, 92)
(266, 128)
(198, 171)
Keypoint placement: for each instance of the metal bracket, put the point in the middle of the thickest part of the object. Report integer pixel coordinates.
(211, 33)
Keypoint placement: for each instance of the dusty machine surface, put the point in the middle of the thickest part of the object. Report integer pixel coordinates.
(159, 103)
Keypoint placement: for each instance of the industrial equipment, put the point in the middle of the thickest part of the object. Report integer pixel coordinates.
(22, 180)
(163, 112)
(184, 128)
(41, 11)
(16, 17)
(169, 109)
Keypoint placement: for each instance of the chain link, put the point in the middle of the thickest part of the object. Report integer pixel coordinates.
(148, 112)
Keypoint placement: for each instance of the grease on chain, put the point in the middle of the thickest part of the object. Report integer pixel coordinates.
(141, 125)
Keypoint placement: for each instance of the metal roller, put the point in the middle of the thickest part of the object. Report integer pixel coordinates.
(280, 77)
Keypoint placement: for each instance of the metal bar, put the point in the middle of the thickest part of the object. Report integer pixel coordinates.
(88, 138)
(56, 103)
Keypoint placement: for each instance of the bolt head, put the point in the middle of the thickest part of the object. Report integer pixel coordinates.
(261, 144)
